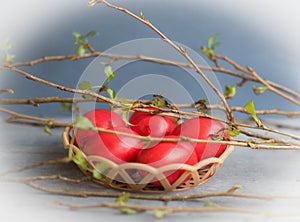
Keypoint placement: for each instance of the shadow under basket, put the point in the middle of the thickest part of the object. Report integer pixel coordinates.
(138, 177)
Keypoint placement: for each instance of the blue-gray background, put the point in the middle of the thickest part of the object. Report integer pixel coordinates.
(257, 34)
(263, 34)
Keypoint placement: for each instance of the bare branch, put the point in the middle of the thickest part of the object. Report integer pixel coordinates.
(252, 73)
(181, 51)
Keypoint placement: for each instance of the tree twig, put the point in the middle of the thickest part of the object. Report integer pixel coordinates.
(165, 198)
(56, 99)
(167, 209)
(63, 88)
(252, 73)
(34, 119)
(289, 145)
(115, 57)
(180, 50)
(37, 101)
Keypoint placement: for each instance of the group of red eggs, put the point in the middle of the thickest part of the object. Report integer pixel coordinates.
(123, 148)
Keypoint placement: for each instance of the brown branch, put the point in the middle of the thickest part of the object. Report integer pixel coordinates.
(166, 209)
(271, 88)
(31, 182)
(114, 102)
(34, 119)
(39, 100)
(244, 143)
(36, 101)
(296, 137)
(252, 73)
(180, 50)
(284, 89)
(268, 129)
(83, 193)
(273, 141)
(269, 142)
(7, 90)
(164, 198)
(290, 114)
(152, 208)
(281, 125)
(115, 57)
(56, 99)
(30, 166)
(53, 58)
(63, 88)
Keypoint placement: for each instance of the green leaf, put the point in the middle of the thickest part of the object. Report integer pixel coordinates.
(76, 34)
(211, 204)
(100, 170)
(79, 159)
(111, 93)
(125, 110)
(233, 131)
(211, 40)
(204, 50)
(215, 45)
(211, 46)
(91, 34)
(230, 91)
(208, 52)
(97, 175)
(81, 50)
(251, 110)
(124, 103)
(146, 142)
(10, 91)
(7, 57)
(47, 130)
(85, 85)
(159, 103)
(82, 41)
(92, 3)
(259, 90)
(78, 38)
(84, 123)
(124, 117)
(249, 106)
(78, 41)
(142, 15)
(159, 213)
(108, 70)
(123, 199)
(126, 210)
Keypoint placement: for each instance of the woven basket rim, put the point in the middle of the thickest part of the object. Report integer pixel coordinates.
(209, 166)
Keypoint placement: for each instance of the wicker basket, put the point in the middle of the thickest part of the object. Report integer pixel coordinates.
(124, 176)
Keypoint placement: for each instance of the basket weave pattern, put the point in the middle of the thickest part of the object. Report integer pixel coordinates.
(126, 176)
